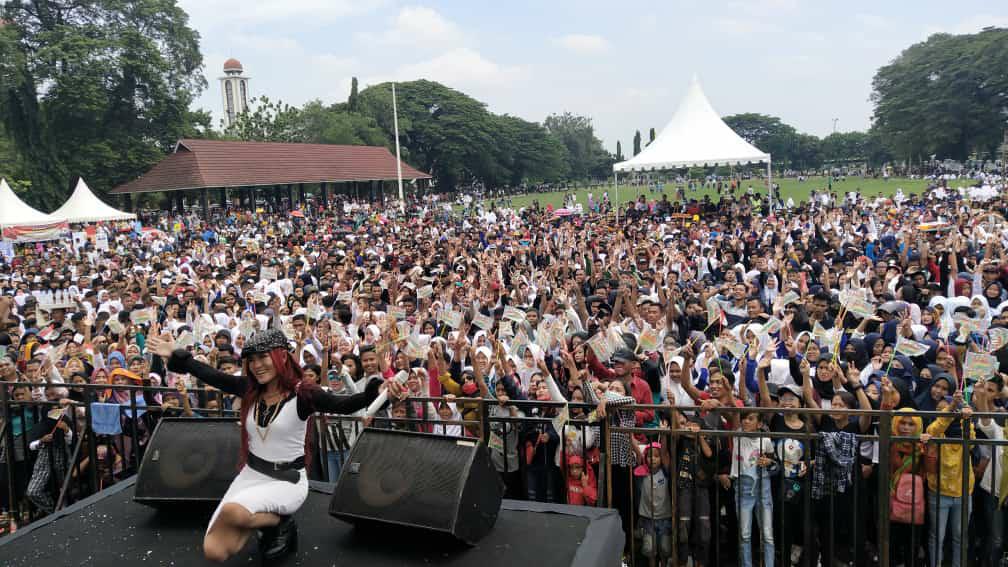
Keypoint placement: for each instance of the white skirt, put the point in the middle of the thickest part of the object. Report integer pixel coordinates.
(257, 492)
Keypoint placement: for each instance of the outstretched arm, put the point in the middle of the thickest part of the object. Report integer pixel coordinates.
(328, 402)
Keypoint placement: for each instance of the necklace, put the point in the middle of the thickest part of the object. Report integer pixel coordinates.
(266, 413)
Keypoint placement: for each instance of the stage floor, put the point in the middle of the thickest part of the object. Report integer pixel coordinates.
(109, 529)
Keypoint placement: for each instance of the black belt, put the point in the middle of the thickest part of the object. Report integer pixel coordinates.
(289, 471)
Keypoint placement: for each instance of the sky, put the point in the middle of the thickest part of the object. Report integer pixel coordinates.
(625, 64)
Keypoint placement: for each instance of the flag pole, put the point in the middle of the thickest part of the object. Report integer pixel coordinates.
(398, 160)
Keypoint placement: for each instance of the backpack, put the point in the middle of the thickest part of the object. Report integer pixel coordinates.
(906, 497)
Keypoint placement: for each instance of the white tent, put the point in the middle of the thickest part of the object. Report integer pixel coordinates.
(695, 137)
(83, 206)
(15, 212)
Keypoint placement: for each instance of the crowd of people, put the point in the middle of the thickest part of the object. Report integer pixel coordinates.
(674, 357)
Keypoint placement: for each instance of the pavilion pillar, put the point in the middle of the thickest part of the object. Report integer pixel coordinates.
(180, 202)
(205, 203)
(324, 190)
(290, 196)
(223, 193)
(128, 202)
(301, 194)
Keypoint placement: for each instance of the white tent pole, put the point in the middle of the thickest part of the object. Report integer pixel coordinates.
(615, 175)
(769, 174)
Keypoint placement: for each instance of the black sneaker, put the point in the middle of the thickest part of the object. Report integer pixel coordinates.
(279, 540)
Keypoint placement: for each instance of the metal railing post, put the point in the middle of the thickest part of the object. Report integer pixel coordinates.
(884, 433)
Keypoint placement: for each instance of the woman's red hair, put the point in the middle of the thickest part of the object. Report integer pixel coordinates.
(290, 376)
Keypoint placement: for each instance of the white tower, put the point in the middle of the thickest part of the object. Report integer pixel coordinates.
(234, 91)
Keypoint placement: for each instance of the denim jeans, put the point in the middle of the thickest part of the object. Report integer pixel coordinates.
(334, 460)
(751, 495)
(945, 512)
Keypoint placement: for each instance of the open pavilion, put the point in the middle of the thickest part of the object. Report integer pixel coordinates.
(247, 173)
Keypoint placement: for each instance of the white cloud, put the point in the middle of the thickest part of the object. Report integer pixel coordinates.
(224, 13)
(461, 68)
(735, 26)
(583, 43)
(420, 26)
(873, 21)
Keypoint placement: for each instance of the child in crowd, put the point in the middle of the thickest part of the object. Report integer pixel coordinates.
(752, 462)
(694, 468)
(655, 508)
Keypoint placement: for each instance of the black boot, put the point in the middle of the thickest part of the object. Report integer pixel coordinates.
(278, 540)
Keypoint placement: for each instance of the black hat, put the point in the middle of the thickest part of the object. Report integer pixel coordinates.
(265, 341)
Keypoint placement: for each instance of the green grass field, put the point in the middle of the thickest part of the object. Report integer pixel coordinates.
(789, 187)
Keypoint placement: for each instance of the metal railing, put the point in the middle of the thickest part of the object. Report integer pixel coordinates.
(700, 502)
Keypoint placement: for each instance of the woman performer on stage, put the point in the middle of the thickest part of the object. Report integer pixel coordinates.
(272, 483)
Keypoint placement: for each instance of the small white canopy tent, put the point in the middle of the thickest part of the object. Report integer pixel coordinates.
(15, 212)
(83, 206)
(695, 137)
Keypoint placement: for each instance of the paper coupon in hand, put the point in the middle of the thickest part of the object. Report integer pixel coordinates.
(788, 298)
(451, 318)
(772, 325)
(115, 326)
(969, 326)
(980, 366)
(404, 329)
(316, 312)
(908, 347)
(648, 340)
(247, 327)
(561, 419)
(140, 316)
(505, 329)
(345, 297)
(482, 321)
(268, 274)
(736, 348)
(185, 340)
(514, 314)
(713, 311)
(425, 292)
(600, 346)
(397, 313)
(998, 338)
(159, 300)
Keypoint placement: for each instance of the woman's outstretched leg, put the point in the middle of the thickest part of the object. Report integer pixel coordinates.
(231, 530)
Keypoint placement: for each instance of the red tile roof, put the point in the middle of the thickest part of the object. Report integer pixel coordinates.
(198, 164)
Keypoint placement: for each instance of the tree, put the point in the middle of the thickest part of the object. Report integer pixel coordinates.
(946, 96)
(441, 130)
(268, 121)
(586, 156)
(96, 88)
(353, 102)
(652, 136)
(619, 152)
(783, 142)
(636, 142)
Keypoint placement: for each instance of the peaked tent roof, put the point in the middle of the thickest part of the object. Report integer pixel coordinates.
(199, 164)
(696, 136)
(15, 212)
(83, 206)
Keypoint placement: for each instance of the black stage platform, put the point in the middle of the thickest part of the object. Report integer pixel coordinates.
(109, 529)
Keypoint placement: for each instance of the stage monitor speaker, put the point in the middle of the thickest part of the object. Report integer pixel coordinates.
(189, 460)
(432, 482)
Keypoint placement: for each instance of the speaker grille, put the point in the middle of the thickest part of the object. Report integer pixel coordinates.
(189, 459)
(408, 479)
